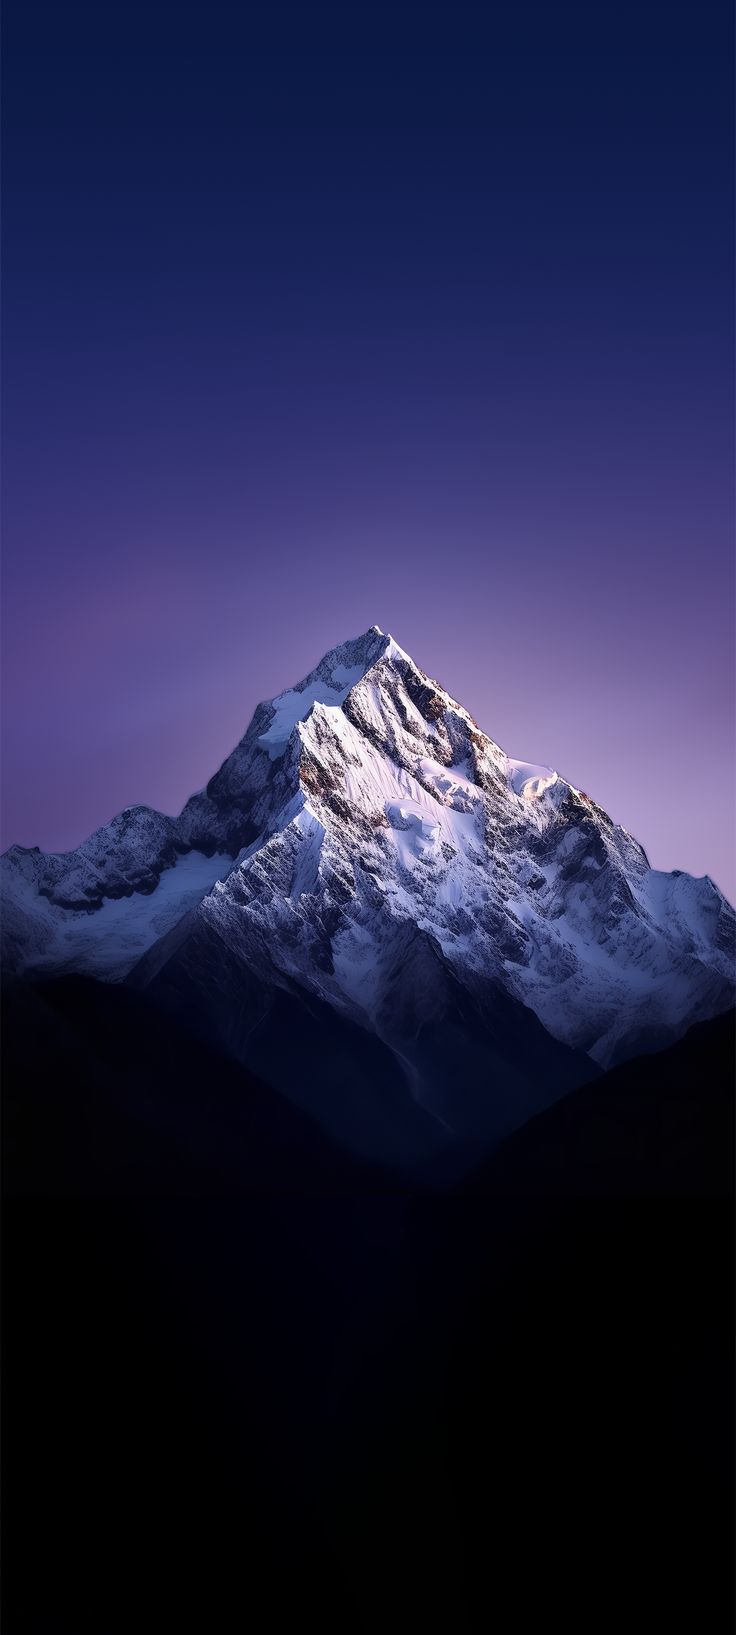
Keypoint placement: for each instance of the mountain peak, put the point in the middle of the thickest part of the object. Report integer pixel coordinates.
(340, 670)
(328, 683)
(364, 815)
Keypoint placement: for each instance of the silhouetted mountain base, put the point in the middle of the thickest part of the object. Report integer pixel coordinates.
(368, 1408)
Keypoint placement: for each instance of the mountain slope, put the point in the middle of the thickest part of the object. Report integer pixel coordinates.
(104, 1096)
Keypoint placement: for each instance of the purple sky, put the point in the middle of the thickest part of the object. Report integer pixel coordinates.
(304, 334)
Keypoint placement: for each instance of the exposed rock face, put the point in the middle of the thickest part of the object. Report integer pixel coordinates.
(368, 849)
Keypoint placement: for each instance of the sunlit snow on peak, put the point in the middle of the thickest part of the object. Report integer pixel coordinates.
(530, 781)
(294, 706)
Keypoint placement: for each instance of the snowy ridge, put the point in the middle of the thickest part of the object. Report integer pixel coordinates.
(530, 781)
(365, 831)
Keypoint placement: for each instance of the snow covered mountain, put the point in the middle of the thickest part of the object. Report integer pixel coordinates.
(368, 863)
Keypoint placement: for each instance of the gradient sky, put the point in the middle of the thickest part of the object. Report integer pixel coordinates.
(316, 317)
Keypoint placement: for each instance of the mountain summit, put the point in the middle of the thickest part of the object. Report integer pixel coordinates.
(371, 889)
